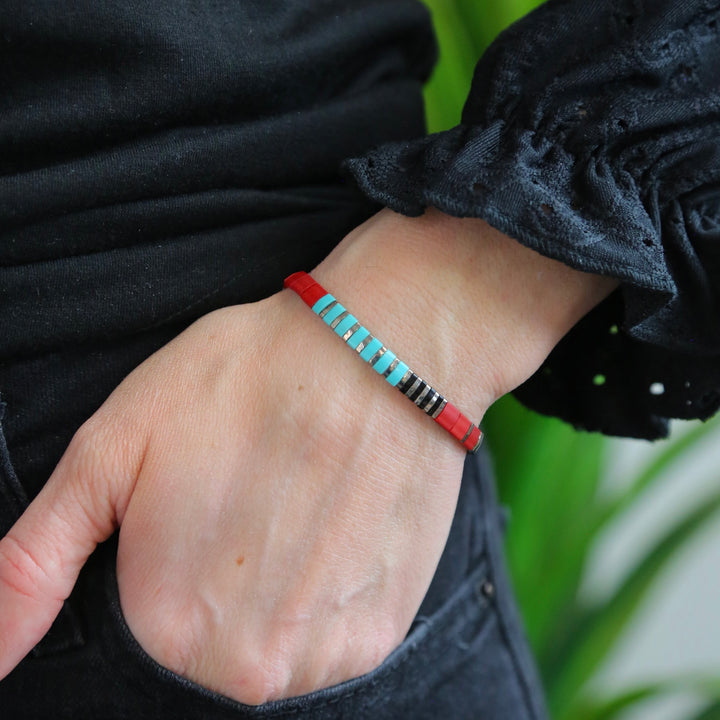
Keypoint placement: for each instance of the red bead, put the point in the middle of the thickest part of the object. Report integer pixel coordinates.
(448, 417)
(308, 289)
(458, 425)
(472, 442)
(460, 428)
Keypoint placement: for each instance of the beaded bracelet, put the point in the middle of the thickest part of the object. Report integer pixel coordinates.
(384, 361)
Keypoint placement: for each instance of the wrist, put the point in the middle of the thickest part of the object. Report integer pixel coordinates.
(335, 399)
(472, 311)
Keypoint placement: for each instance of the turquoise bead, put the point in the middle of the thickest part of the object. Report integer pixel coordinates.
(332, 314)
(371, 349)
(357, 337)
(397, 374)
(345, 325)
(322, 303)
(384, 362)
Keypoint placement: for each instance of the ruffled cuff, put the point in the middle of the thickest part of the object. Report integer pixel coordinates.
(592, 135)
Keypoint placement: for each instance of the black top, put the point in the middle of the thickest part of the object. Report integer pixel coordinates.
(160, 159)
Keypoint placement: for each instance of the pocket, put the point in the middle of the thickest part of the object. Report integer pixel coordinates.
(409, 684)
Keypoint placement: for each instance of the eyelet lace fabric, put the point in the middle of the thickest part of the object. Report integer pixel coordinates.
(592, 135)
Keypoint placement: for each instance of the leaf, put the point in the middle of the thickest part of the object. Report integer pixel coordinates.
(449, 85)
(712, 712)
(548, 474)
(574, 527)
(610, 708)
(659, 465)
(464, 29)
(487, 19)
(593, 632)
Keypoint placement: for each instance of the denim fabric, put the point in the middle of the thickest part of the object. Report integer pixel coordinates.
(592, 135)
(465, 657)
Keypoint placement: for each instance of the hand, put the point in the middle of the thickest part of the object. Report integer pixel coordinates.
(282, 511)
(280, 521)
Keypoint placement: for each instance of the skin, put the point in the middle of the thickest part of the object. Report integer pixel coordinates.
(269, 486)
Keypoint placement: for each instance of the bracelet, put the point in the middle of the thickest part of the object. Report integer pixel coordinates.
(384, 361)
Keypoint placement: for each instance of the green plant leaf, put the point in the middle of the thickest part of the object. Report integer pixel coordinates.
(712, 712)
(611, 708)
(673, 451)
(593, 632)
(449, 85)
(548, 474)
(464, 29)
(487, 19)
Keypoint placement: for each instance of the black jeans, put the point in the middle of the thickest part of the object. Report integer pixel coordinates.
(464, 658)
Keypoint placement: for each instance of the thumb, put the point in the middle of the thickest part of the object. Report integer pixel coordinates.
(42, 554)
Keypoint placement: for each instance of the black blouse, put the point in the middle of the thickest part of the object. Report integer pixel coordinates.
(592, 135)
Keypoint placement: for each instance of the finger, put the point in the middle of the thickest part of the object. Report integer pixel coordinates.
(42, 554)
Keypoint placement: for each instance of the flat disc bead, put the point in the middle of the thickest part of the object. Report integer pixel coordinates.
(371, 349)
(358, 337)
(322, 303)
(397, 374)
(333, 313)
(384, 362)
(342, 327)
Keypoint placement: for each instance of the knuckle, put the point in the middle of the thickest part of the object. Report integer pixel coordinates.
(255, 689)
(116, 425)
(177, 653)
(169, 639)
(262, 676)
(253, 686)
(380, 642)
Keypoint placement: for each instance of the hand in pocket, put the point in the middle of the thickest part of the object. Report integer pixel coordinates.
(276, 535)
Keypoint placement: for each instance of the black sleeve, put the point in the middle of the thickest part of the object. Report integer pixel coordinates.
(592, 135)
